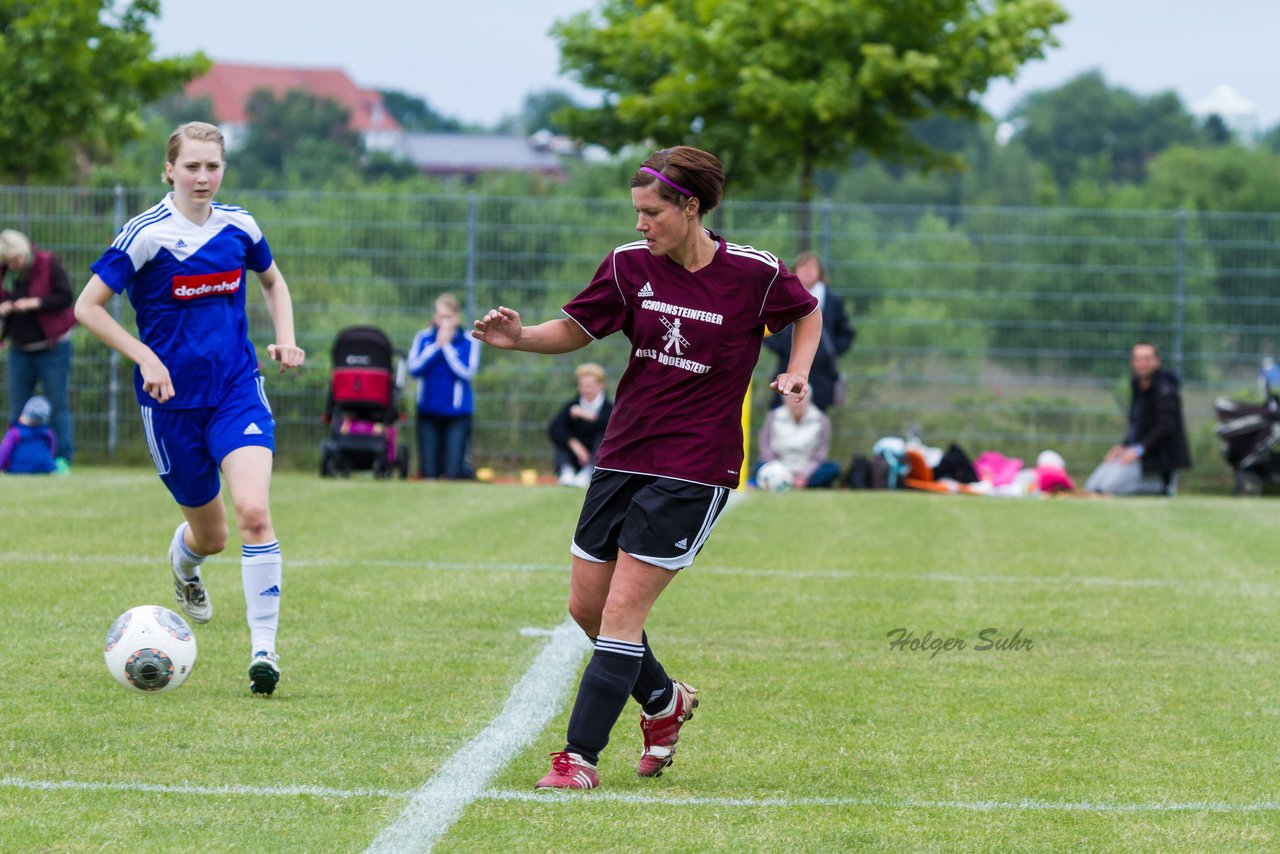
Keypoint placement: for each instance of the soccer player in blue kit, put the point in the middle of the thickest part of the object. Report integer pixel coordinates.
(204, 406)
(694, 308)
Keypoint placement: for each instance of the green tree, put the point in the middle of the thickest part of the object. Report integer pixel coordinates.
(783, 87)
(414, 113)
(1086, 124)
(297, 137)
(1227, 178)
(542, 111)
(75, 75)
(1271, 139)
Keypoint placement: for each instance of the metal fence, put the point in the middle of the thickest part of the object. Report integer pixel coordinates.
(997, 328)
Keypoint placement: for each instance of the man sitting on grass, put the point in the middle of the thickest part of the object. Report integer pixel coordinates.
(1155, 446)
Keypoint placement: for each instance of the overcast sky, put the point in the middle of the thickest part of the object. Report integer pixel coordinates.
(476, 61)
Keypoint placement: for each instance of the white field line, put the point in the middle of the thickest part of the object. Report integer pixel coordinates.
(578, 798)
(187, 789)
(9, 560)
(533, 702)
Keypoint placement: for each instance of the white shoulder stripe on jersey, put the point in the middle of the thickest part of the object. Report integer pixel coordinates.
(638, 244)
(752, 252)
(135, 226)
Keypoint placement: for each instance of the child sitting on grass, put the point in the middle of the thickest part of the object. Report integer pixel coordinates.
(27, 447)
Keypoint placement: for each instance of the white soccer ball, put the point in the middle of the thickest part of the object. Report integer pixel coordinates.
(150, 649)
(774, 476)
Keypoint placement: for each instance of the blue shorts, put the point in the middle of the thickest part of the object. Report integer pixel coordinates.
(188, 445)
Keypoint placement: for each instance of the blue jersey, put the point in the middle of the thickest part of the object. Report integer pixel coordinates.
(445, 371)
(186, 283)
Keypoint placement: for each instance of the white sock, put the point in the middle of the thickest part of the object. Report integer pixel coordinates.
(188, 561)
(260, 574)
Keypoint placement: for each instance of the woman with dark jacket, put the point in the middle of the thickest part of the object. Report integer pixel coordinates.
(36, 309)
(837, 336)
(579, 426)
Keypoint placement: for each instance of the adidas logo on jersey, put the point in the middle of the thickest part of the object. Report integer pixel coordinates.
(253, 430)
(273, 590)
(181, 244)
(682, 543)
(646, 291)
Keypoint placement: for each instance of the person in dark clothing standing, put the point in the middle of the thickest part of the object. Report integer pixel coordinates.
(37, 314)
(579, 426)
(837, 336)
(1154, 448)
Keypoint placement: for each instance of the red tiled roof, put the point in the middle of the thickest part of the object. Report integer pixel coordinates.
(229, 86)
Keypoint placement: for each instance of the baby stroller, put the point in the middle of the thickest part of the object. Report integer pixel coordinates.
(1250, 436)
(363, 406)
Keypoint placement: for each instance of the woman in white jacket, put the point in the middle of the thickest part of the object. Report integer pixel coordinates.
(798, 434)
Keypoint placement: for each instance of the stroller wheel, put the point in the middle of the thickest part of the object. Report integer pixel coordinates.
(1248, 484)
(337, 466)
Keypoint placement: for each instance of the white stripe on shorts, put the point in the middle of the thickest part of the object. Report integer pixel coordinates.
(159, 455)
(261, 382)
(718, 499)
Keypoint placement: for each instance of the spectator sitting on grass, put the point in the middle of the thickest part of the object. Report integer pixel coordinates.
(799, 435)
(28, 446)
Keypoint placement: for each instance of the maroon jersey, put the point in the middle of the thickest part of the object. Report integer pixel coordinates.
(695, 338)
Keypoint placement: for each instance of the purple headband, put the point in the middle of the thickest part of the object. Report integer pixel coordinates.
(664, 179)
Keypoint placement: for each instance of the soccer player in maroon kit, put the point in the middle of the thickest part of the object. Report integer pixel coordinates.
(694, 308)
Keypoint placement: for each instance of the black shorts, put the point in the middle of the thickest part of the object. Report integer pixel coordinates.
(658, 520)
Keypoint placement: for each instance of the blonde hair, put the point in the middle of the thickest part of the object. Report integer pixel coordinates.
(200, 131)
(14, 244)
(589, 368)
(450, 302)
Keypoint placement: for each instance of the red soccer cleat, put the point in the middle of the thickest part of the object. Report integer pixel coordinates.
(569, 771)
(662, 731)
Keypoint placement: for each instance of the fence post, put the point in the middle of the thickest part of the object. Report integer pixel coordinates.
(826, 233)
(1179, 296)
(113, 357)
(471, 255)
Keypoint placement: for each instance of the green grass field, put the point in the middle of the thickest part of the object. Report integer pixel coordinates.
(1143, 717)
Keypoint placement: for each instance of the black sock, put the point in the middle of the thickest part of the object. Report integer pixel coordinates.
(653, 686)
(605, 686)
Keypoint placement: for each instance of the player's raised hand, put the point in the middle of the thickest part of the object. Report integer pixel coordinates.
(500, 328)
(288, 355)
(793, 385)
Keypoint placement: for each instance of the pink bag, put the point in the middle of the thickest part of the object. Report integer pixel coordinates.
(995, 468)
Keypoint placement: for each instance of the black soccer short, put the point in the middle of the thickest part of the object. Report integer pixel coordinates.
(658, 520)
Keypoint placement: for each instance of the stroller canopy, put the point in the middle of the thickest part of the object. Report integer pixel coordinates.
(363, 347)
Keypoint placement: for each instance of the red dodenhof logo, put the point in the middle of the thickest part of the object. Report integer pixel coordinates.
(207, 284)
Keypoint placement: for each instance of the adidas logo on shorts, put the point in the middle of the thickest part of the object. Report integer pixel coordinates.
(682, 543)
(252, 430)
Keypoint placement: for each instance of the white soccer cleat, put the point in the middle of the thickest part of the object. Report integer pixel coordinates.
(189, 592)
